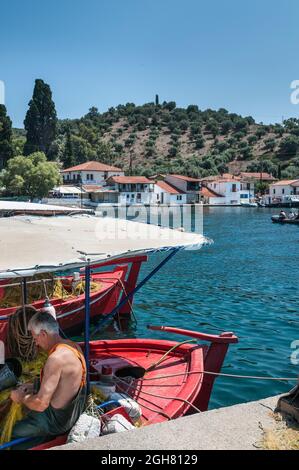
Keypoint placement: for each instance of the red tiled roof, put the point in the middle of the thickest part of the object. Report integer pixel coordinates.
(219, 179)
(92, 166)
(159, 175)
(207, 192)
(226, 177)
(257, 175)
(185, 178)
(129, 180)
(169, 188)
(89, 188)
(285, 182)
(229, 176)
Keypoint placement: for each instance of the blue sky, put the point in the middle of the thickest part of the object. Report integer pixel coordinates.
(218, 53)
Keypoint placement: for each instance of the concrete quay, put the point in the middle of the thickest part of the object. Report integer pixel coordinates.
(238, 427)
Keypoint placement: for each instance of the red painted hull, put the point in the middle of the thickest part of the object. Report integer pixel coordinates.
(171, 389)
(71, 312)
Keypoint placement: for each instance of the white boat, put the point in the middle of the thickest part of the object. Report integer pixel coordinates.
(249, 204)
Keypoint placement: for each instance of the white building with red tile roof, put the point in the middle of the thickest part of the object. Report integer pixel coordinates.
(95, 173)
(284, 191)
(132, 189)
(166, 193)
(186, 184)
(208, 196)
(230, 190)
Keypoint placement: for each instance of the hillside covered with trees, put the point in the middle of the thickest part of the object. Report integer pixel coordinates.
(156, 138)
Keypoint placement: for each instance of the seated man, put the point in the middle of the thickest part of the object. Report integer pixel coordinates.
(61, 398)
(282, 215)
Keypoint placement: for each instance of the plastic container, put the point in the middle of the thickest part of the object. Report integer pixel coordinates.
(117, 423)
(131, 406)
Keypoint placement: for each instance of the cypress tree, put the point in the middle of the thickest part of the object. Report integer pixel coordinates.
(6, 148)
(41, 120)
(157, 100)
(68, 154)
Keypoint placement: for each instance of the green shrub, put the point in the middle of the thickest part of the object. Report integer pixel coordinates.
(200, 142)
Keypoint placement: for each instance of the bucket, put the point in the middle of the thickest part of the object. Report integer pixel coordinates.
(9, 373)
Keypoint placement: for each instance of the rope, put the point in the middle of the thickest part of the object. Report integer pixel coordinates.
(129, 301)
(220, 374)
(19, 340)
(159, 396)
(155, 364)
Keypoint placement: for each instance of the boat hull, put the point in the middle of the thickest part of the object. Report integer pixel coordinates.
(278, 220)
(172, 383)
(71, 312)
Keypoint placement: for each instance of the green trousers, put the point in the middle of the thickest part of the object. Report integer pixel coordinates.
(45, 425)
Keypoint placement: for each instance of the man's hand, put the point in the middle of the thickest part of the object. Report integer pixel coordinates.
(27, 388)
(17, 395)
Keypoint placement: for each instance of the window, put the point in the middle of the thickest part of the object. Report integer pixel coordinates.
(87, 176)
(157, 196)
(282, 191)
(128, 195)
(91, 177)
(273, 191)
(234, 188)
(179, 198)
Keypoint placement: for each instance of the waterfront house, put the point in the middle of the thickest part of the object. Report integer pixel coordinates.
(190, 186)
(284, 191)
(208, 196)
(166, 193)
(131, 189)
(90, 173)
(228, 190)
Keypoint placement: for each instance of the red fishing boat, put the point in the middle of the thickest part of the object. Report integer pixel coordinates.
(167, 379)
(109, 288)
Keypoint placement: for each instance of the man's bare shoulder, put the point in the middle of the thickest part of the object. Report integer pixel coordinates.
(62, 354)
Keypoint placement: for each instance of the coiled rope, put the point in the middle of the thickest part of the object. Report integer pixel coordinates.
(19, 339)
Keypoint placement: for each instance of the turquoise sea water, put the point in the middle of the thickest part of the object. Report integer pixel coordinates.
(245, 282)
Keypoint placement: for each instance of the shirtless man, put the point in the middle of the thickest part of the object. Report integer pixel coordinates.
(62, 394)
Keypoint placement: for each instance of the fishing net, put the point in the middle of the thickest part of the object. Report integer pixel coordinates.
(12, 295)
(48, 286)
(11, 412)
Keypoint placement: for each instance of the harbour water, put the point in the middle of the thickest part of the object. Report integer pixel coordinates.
(245, 282)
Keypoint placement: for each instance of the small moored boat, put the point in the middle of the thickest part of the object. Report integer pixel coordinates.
(276, 219)
(165, 378)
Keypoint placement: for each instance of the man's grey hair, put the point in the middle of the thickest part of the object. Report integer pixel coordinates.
(43, 321)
